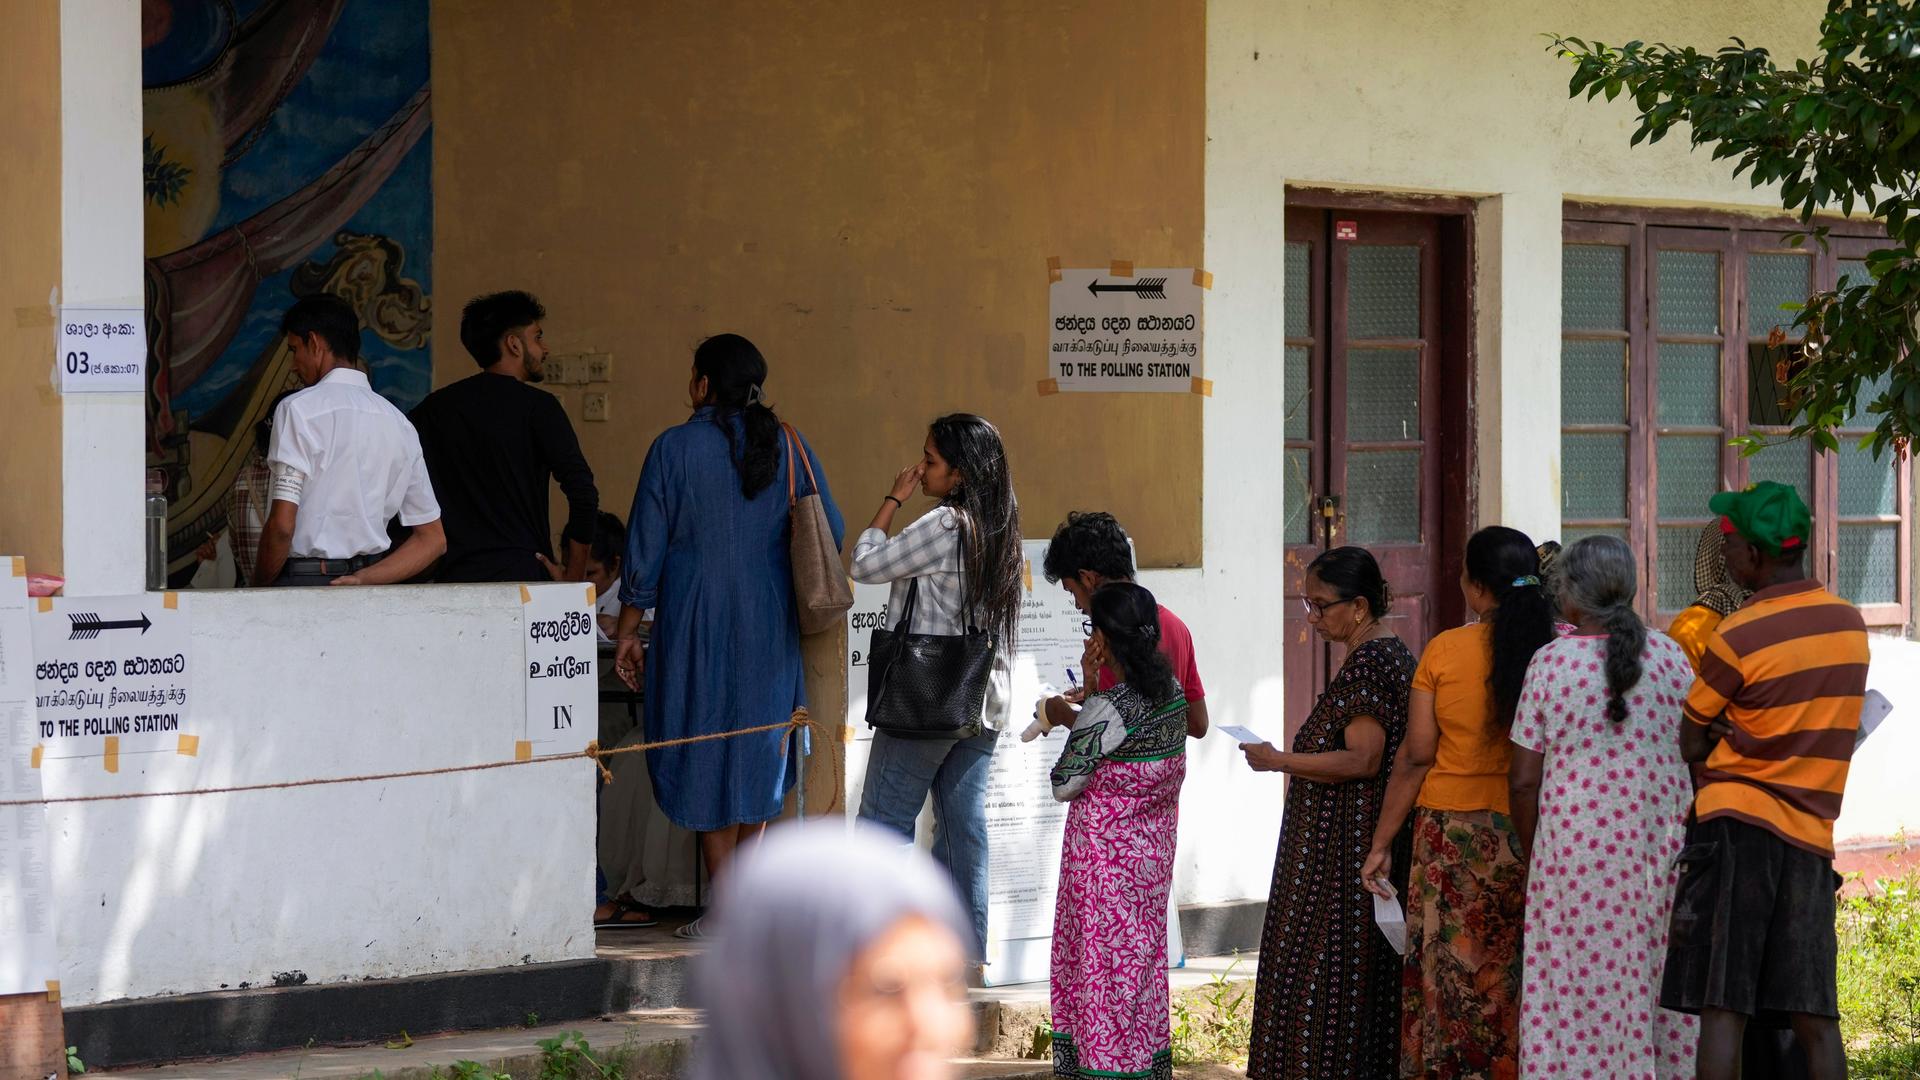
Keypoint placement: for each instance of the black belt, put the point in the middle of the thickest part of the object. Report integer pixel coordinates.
(333, 567)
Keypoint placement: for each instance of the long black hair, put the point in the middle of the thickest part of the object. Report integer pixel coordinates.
(990, 517)
(735, 370)
(1351, 572)
(1503, 561)
(1129, 617)
(1598, 580)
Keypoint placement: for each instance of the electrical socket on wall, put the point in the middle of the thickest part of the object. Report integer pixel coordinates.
(560, 369)
(599, 367)
(594, 405)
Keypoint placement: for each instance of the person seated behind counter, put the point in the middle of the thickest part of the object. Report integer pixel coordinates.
(344, 462)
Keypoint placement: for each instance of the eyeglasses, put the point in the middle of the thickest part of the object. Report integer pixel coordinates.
(1316, 610)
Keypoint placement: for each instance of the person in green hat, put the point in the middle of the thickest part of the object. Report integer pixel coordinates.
(1773, 715)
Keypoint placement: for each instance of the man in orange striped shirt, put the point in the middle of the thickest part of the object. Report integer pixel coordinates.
(1773, 714)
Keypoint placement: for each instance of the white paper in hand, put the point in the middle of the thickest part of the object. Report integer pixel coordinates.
(1387, 915)
(1872, 710)
(1240, 734)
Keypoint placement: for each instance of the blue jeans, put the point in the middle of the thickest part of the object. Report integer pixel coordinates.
(901, 773)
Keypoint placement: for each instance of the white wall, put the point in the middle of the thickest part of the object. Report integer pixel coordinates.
(352, 881)
(1444, 98)
(103, 436)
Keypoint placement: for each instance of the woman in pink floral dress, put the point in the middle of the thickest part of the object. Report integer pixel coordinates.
(1121, 769)
(1600, 797)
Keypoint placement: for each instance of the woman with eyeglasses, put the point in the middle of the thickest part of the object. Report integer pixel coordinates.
(1327, 999)
(1465, 888)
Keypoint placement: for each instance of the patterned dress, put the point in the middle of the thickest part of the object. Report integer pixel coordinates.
(1327, 1001)
(1613, 805)
(1121, 769)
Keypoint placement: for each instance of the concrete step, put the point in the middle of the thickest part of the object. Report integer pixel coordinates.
(654, 1043)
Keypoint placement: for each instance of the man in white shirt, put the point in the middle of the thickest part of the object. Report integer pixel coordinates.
(343, 463)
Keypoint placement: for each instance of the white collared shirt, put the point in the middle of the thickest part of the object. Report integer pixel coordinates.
(356, 462)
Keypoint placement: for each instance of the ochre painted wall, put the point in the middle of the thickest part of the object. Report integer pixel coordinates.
(869, 190)
(29, 270)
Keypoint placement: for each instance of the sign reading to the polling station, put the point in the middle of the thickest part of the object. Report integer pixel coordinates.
(117, 667)
(1138, 331)
(562, 687)
(102, 351)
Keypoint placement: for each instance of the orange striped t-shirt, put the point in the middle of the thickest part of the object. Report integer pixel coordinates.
(1789, 670)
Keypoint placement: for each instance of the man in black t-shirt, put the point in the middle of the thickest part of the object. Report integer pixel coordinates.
(492, 441)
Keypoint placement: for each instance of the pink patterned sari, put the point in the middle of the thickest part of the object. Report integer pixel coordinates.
(1121, 769)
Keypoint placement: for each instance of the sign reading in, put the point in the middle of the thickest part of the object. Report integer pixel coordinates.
(29, 961)
(562, 684)
(102, 351)
(1139, 333)
(113, 666)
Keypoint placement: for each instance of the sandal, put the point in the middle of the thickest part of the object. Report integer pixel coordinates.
(621, 918)
(693, 931)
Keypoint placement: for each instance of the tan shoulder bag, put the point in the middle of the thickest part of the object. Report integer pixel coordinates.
(821, 592)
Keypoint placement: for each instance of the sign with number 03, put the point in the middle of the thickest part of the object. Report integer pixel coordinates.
(101, 351)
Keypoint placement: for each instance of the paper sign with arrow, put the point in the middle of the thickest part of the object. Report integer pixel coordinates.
(1118, 329)
(111, 666)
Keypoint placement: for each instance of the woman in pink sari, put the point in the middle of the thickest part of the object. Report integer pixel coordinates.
(1121, 769)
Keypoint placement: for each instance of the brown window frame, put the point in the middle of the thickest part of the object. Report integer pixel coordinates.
(1643, 230)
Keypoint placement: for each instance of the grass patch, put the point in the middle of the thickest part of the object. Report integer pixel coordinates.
(1880, 979)
(1214, 1023)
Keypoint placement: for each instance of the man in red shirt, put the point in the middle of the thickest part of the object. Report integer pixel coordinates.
(1091, 550)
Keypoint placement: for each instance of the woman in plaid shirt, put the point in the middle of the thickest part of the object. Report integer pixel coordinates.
(965, 554)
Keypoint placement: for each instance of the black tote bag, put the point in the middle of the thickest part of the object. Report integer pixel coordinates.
(927, 686)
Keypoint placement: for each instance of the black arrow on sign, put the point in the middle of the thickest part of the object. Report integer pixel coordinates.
(87, 625)
(1152, 288)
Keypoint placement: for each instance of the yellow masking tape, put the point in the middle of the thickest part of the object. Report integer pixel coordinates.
(189, 746)
(1120, 268)
(1053, 268)
(846, 733)
(112, 757)
(591, 595)
(523, 751)
(1047, 386)
(19, 566)
(1026, 574)
(1203, 278)
(1203, 387)
(53, 989)
(171, 601)
(525, 596)
(46, 604)
(38, 751)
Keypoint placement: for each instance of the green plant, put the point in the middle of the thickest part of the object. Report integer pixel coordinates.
(1835, 131)
(74, 1064)
(567, 1056)
(1215, 1022)
(1879, 978)
(532, 1020)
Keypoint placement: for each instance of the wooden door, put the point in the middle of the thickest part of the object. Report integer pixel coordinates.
(1377, 426)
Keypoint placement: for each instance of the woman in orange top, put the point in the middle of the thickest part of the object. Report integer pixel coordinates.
(1718, 597)
(1466, 890)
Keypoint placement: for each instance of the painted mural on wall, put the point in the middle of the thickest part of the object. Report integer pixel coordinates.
(287, 153)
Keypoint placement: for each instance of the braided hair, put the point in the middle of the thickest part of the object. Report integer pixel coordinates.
(1130, 619)
(1597, 579)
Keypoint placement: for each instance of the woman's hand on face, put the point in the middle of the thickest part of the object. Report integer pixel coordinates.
(1262, 757)
(908, 481)
(1373, 873)
(629, 660)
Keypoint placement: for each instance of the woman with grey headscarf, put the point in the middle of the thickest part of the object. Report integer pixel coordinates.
(837, 956)
(1600, 798)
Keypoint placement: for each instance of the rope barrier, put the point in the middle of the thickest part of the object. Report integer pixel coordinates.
(593, 753)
